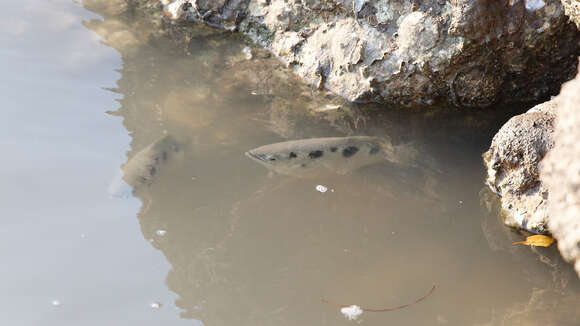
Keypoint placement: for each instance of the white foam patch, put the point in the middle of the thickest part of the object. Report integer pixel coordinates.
(351, 312)
(321, 188)
(161, 233)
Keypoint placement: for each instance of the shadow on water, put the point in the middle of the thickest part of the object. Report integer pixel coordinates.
(252, 248)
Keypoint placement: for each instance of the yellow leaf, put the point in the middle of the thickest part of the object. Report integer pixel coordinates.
(536, 240)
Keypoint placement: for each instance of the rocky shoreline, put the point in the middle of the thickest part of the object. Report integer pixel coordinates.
(464, 52)
(533, 164)
(467, 53)
(513, 167)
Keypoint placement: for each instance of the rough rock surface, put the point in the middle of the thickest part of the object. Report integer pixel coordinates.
(513, 167)
(468, 52)
(561, 173)
(572, 9)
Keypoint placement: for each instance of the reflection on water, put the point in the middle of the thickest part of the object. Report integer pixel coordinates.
(248, 247)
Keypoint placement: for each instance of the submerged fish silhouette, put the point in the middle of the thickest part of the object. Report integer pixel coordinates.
(143, 166)
(338, 154)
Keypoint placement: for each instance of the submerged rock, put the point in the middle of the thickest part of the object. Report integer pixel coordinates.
(467, 52)
(561, 173)
(513, 167)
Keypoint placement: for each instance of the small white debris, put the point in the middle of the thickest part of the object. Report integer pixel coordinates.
(254, 93)
(83, 236)
(156, 305)
(55, 303)
(160, 232)
(247, 52)
(328, 107)
(321, 188)
(351, 312)
(532, 5)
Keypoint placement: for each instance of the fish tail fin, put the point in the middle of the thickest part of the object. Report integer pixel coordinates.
(405, 154)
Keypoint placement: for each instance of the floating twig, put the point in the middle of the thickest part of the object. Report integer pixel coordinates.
(385, 309)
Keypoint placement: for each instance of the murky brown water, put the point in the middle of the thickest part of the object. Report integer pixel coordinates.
(209, 235)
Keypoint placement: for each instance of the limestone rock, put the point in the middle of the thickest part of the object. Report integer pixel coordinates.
(561, 173)
(572, 9)
(469, 53)
(513, 171)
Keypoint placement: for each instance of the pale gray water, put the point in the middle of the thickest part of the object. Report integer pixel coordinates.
(210, 235)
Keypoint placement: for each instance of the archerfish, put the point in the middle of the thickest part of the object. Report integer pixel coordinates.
(337, 154)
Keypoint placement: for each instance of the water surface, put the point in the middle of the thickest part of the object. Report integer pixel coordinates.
(211, 235)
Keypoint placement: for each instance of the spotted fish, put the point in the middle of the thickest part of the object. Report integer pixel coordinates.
(337, 154)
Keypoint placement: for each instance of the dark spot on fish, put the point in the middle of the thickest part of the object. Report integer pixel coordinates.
(315, 154)
(292, 155)
(272, 158)
(349, 151)
(374, 150)
(333, 149)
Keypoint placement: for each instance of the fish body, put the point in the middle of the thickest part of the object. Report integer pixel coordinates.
(316, 155)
